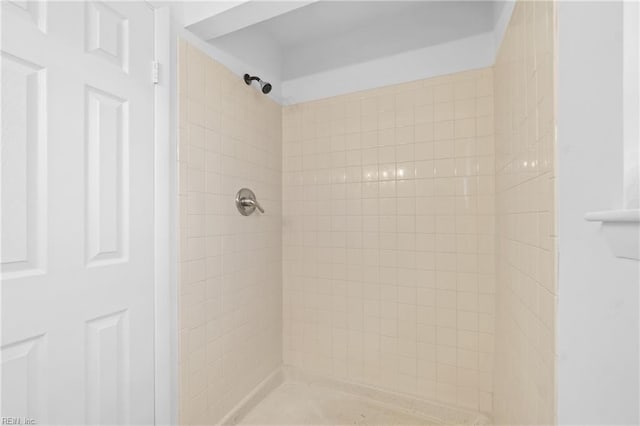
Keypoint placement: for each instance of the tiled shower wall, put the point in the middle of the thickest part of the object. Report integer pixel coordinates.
(230, 265)
(524, 390)
(389, 238)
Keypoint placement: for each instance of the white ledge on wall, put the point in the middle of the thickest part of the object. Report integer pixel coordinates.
(621, 228)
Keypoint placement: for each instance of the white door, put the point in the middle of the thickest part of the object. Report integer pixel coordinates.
(77, 212)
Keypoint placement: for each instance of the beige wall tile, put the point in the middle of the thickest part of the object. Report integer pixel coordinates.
(230, 265)
(524, 374)
(389, 209)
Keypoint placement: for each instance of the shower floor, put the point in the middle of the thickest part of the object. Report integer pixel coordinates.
(293, 403)
(303, 404)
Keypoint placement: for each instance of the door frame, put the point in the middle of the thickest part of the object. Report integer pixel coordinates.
(165, 220)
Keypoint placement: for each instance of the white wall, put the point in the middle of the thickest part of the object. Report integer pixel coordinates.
(598, 293)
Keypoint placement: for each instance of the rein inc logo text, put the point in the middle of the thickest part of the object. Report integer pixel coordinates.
(17, 421)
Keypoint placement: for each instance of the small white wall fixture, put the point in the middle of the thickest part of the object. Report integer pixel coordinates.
(621, 228)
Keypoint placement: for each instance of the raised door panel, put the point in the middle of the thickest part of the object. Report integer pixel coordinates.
(23, 381)
(107, 177)
(23, 167)
(107, 369)
(32, 12)
(107, 34)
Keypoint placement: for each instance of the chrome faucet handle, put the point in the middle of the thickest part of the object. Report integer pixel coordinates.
(246, 202)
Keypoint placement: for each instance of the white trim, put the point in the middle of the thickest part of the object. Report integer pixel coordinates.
(624, 240)
(446, 58)
(631, 101)
(165, 204)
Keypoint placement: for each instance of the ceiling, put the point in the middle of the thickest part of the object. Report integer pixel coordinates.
(294, 40)
(325, 34)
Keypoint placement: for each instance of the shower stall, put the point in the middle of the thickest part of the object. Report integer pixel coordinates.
(404, 268)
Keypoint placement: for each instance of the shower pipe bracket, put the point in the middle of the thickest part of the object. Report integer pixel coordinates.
(621, 229)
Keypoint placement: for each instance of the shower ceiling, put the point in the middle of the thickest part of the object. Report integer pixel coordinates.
(296, 39)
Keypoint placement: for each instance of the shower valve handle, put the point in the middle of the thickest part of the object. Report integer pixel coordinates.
(248, 202)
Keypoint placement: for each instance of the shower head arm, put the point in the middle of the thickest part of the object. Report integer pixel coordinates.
(248, 79)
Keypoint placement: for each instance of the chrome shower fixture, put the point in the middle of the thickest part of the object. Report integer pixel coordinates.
(266, 87)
